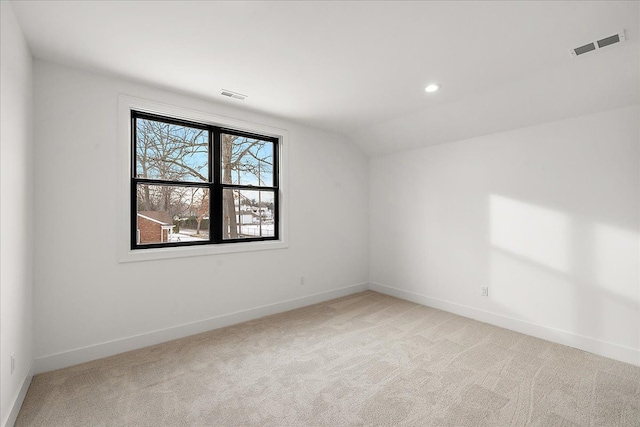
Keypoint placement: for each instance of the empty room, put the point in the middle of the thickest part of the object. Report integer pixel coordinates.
(320, 213)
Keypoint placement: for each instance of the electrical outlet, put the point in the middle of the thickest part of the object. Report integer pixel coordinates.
(301, 280)
(485, 291)
(13, 362)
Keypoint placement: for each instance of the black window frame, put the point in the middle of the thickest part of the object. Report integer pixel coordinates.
(214, 184)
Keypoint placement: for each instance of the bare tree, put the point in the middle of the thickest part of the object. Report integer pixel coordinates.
(168, 152)
(202, 210)
(241, 155)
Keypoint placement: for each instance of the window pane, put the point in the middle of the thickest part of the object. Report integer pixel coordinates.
(248, 213)
(247, 161)
(167, 213)
(171, 152)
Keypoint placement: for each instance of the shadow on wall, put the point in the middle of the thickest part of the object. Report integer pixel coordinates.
(581, 273)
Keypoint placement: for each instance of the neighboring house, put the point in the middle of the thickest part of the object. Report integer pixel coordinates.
(245, 218)
(154, 227)
(251, 215)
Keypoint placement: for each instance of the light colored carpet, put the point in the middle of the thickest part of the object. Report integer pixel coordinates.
(365, 359)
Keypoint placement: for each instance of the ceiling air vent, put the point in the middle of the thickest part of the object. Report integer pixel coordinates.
(233, 95)
(598, 44)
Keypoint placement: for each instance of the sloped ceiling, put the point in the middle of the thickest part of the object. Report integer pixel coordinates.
(360, 68)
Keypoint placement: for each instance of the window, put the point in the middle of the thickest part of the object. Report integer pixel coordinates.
(193, 183)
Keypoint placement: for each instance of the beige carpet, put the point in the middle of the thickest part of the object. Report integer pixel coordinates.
(365, 359)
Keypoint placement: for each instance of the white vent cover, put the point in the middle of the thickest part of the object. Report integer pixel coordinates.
(598, 44)
(233, 95)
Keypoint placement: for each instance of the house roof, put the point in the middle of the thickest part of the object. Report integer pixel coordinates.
(161, 217)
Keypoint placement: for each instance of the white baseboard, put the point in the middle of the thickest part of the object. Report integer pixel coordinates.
(592, 345)
(17, 404)
(97, 351)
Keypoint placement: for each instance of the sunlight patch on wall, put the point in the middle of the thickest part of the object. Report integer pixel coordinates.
(615, 260)
(532, 232)
(521, 288)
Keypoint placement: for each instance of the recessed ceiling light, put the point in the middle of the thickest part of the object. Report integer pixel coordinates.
(432, 88)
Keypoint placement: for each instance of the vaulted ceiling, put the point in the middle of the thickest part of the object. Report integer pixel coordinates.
(360, 68)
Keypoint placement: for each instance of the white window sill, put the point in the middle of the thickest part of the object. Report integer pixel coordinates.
(191, 251)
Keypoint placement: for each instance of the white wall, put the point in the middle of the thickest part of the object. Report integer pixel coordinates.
(16, 207)
(84, 298)
(546, 216)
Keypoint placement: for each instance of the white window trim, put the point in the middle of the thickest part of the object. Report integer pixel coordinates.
(126, 254)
